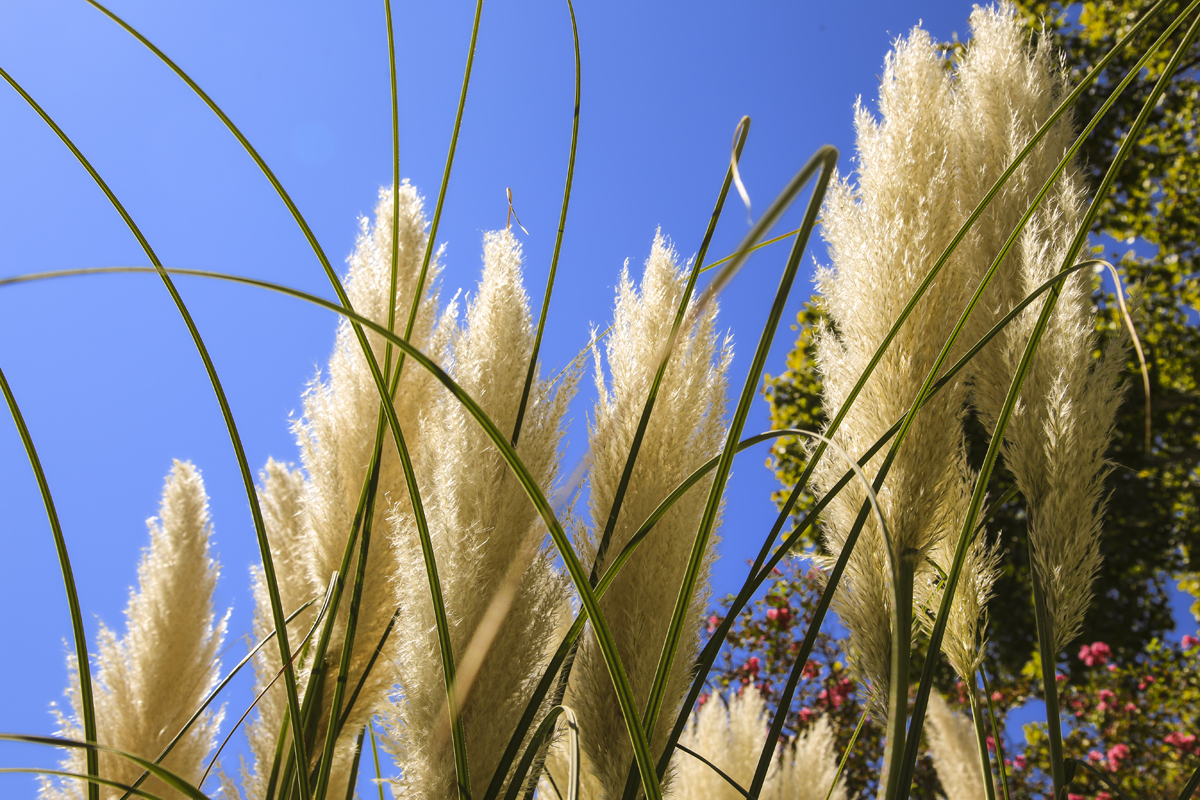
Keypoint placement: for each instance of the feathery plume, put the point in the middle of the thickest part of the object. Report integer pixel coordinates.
(488, 541)
(684, 431)
(1063, 422)
(884, 237)
(337, 438)
(280, 499)
(952, 744)
(152, 680)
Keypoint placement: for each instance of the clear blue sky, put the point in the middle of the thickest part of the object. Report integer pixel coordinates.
(108, 379)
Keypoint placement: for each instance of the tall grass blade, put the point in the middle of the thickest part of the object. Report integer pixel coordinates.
(213, 696)
(427, 551)
(226, 411)
(59, 773)
(162, 773)
(79, 635)
(562, 224)
(825, 159)
(724, 776)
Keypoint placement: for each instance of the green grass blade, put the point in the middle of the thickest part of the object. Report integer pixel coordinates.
(1002, 423)
(83, 777)
(985, 761)
(441, 201)
(213, 696)
(737, 787)
(387, 631)
(540, 736)
(458, 736)
(353, 783)
(743, 130)
(86, 701)
(708, 656)
(562, 224)
(1101, 776)
(375, 755)
(387, 352)
(162, 773)
(1001, 768)
(226, 411)
(825, 159)
(862, 721)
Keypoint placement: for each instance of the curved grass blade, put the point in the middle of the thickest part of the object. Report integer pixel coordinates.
(562, 224)
(213, 695)
(162, 773)
(724, 776)
(1103, 778)
(446, 652)
(391, 324)
(862, 721)
(825, 159)
(312, 629)
(353, 782)
(1049, 686)
(226, 411)
(539, 738)
(744, 595)
(86, 701)
(987, 693)
(756, 578)
(785, 701)
(375, 755)
(664, 355)
(94, 781)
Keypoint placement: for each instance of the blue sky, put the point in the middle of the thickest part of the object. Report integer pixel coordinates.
(107, 377)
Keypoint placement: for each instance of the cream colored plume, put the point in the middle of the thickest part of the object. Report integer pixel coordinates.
(337, 438)
(500, 586)
(885, 235)
(150, 682)
(955, 751)
(685, 430)
(731, 734)
(1057, 437)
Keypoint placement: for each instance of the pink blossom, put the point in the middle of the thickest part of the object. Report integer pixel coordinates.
(1115, 754)
(1131, 708)
(752, 665)
(1095, 756)
(772, 614)
(806, 714)
(1107, 695)
(1189, 642)
(1019, 761)
(1095, 653)
(1146, 681)
(991, 743)
(997, 697)
(1180, 740)
(702, 699)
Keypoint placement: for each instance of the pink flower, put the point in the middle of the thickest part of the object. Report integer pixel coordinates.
(751, 665)
(1180, 740)
(702, 699)
(1131, 708)
(1107, 695)
(1146, 681)
(772, 614)
(1095, 653)
(806, 714)
(1189, 642)
(1115, 754)
(1111, 668)
(1019, 761)
(1072, 796)
(997, 697)
(1059, 678)
(991, 743)
(1095, 756)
